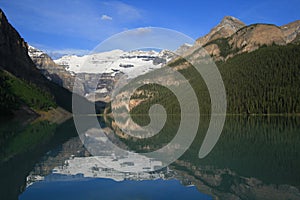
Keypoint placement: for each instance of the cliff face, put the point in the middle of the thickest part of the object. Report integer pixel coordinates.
(291, 30)
(13, 53)
(225, 28)
(232, 37)
(252, 37)
(50, 69)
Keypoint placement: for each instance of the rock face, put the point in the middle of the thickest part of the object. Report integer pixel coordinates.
(50, 69)
(85, 82)
(225, 28)
(183, 48)
(232, 37)
(97, 73)
(96, 87)
(14, 58)
(252, 37)
(291, 30)
(13, 54)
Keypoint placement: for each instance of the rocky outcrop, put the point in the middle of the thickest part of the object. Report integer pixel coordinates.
(228, 26)
(231, 37)
(291, 30)
(247, 39)
(297, 39)
(85, 82)
(252, 37)
(50, 69)
(183, 48)
(97, 73)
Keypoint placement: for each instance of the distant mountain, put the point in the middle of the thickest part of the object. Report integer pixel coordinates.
(98, 72)
(130, 63)
(50, 69)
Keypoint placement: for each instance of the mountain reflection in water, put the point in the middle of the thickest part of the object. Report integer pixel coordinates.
(255, 158)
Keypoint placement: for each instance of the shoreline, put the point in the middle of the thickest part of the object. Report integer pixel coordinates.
(54, 115)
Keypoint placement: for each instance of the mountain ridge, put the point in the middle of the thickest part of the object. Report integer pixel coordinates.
(225, 28)
(244, 38)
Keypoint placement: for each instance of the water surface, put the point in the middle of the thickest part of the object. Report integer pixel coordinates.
(255, 158)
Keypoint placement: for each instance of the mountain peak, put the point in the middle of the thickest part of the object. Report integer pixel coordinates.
(231, 20)
(225, 28)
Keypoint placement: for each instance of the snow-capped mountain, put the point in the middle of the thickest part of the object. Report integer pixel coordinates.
(98, 72)
(131, 63)
(34, 52)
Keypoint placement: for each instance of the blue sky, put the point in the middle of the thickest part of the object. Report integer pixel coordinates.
(75, 26)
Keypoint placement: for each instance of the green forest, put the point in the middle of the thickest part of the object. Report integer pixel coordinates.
(15, 92)
(265, 81)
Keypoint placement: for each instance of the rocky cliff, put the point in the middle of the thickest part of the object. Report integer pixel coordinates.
(14, 58)
(13, 53)
(225, 28)
(50, 69)
(291, 30)
(231, 37)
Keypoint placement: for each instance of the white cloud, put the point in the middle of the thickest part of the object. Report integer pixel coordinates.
(106, 17)
(123, 11)
(55, 54)
(138, 31)
(143, 30)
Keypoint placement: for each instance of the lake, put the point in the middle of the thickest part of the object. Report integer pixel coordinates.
(255, 158)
